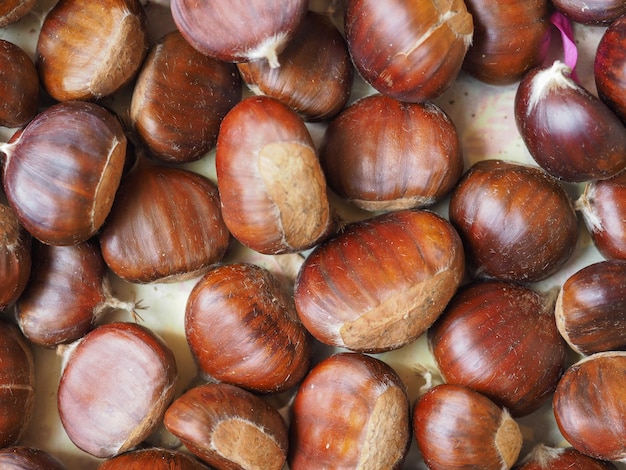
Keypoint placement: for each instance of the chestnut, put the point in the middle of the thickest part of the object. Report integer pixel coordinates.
(228, 427)
(568, 131)
(609, 66)
(381, 282)
(61, 173)
(517, 222)
(543, 457)
(597, 13)
(116, 384)
(15, 257)
(165, 225)
(153, 458)
(180, 98)
(21, 457)
(456, 427)
(383, 154)
(84, 54)
(19, 86)
(500, 339)
(14, 10)
(590, 405)
(316, 73)
(272, 187)
(351, 411)
(242, 328)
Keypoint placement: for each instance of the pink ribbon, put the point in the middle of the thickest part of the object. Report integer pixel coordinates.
(570, 53)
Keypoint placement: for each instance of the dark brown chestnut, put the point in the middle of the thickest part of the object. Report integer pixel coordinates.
(543, 457)
(242, 328)
(456, 427)
(596, 13)
(316, 73)
(153, 458)
(165, 226)
(61, 173)
(116, 384)
(351, 411)
(500, 339)
(410, 51)
(381, 282)
(84, 54)
(19, 86)
(15, 257)
(609, 67)
(180, 99)
(518, 223)
(28, 458)
(568, 131)
(228, 427)
(384, 154)
(272, 187)
(14, 10)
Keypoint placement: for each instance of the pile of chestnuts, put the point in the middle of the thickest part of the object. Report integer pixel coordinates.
(275, 234)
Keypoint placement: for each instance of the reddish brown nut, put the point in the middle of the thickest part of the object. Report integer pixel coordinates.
(165, 226)
(590, 405)
(116, 384)
(19, 86)
(242, 328)
(180, 99)
(228, 427)
(315, 75)
(152, 458)
(518, 223)
(456, 427)
(410, 51)
(272, 187)
(609, 66)
(84, 54)
(596, 13)
(381, 282)
(15, 257)
(543, 457)
(14, 10)
(28, 458)
(383, 154)
(351, 411)
(500, 339)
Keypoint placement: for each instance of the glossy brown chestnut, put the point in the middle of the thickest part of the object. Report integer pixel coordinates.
(242, 328)
(223, 30)
(383, 154)
(180, 99)
(603, 207)
(84, 54)
(17, 384)
(165, 226)
(316, 72)
(351, 411)
(28, 458)
(152, 458)
(543, 457)
(569, 132)
(381, 282)
(609, 67)
(228, 427)
(500, 339)
(19, 86)
(410, 51)
(517, 222)
(14, 10)
(456, 427)
(15, 257)
(272, 187)
(62, 171)
(117, 381)
(596, 13)
(508, 38)
(591, 308)
(590, 405)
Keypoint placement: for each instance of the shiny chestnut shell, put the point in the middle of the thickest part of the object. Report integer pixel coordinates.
(153, 458)
(15, 257)
(609, 66)
(14, 10)
(517, 222)
(20, 457)
(596, 13)
(19, 86)
(543, 457)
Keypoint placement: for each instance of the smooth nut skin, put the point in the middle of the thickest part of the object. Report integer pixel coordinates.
(597, 13)
(410, 51)
(315, 74)
(543, 457)
(62, 171)
(117, 382)
(351, 411)
(223, 30)
(500, 339)
(15, 257)
(14, 10)
(152, 458)
(83, 54)
(507, 41)
(591, 308)
(180, 99)
(19, 86)
(242, 309)
(590, 405)
(383, 154)
(229, 428)
(28, 458)
(569, 132)
(609, 67)
(165, 226)
(517, 223)
(445, 427)
(381, 282)
(272, 187)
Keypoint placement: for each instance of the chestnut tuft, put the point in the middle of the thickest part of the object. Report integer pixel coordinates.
(542, 457)
(153, 458)
(609, 66)
(19, 86)
(15, 257)
(20, 457)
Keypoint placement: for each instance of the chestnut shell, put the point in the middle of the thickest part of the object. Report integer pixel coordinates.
(15, 257)
(153, 458)
(20, 457)
(14, 10)
(610, 67)
(19, 86)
